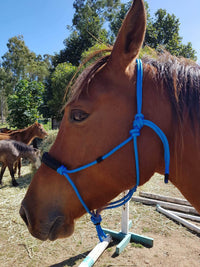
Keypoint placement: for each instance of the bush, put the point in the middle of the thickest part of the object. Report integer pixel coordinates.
(24, 103)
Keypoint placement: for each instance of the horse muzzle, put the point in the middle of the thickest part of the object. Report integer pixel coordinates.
(52, 227)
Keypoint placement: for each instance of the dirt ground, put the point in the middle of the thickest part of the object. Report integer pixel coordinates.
(174, 245)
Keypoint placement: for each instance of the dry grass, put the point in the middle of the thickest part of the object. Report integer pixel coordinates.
(19, 248)
(48, 141)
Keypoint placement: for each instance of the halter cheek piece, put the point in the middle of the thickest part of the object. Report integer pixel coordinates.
(138, 123)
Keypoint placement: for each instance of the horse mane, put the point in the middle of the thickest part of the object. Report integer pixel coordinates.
(181, 77)
(20, 146)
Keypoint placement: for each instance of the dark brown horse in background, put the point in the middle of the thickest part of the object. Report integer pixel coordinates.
(11, 151)
(26, 135)
(99, 116)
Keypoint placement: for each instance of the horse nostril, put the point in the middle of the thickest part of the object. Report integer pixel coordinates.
(23, 215)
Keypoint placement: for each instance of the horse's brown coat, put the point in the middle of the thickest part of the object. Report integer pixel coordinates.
(107, 94)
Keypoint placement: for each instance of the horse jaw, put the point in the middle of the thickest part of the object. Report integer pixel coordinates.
(54, 222)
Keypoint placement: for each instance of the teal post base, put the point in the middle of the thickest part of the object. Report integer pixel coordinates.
(127, 238)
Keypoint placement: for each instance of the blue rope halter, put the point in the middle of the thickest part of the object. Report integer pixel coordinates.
(138, 123)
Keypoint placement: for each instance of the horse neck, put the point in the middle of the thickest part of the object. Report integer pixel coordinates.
(185, 162)
(26, 135)
(183, 137)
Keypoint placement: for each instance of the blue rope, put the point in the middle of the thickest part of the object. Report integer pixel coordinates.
(139, 85)
(96, 219)
(62, 170)
(122, 201)
(138, 123)
(164, 140)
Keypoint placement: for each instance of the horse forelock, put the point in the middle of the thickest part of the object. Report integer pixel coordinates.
(181, 77)
(82, 82)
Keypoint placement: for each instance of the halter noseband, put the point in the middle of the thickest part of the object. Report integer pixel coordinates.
(138, 123)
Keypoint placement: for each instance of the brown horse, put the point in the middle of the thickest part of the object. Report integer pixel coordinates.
(26, 135)
(99, 116)
(11, 151)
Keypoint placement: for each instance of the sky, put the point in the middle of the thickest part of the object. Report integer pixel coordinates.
(43, 23)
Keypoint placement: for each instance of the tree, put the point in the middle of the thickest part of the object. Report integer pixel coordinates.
(24, 103)
(6, 84)
(19, 64)
(187, 51)
(55, 91)
(87, 28)
(22, 63)
(162, 31)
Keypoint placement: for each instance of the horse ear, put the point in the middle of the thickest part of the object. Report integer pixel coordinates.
(130, 37)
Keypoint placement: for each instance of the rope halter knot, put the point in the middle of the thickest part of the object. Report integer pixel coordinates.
(61, 170)
(138, 123)
(96, 219)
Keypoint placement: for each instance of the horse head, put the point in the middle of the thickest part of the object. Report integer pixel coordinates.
(39, 130)
(97, 117)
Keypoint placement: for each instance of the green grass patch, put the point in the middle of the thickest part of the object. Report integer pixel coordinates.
(136, 245)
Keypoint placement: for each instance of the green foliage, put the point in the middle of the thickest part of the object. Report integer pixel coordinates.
(87, 28)
(24, 64)
(148, 51)
(6, 82)
(58, 83)
(19, 64)
(24, 103)
(97, 47)
(17, 57)
(162, 31)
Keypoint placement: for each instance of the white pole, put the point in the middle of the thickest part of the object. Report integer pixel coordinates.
(166, 205)
(178, 219)
(187, 216)
(95, 253)
(125, 216)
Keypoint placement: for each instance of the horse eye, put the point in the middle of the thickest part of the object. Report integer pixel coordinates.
(78, 115)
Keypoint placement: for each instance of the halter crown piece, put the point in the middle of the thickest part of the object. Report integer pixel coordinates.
(138, 123)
